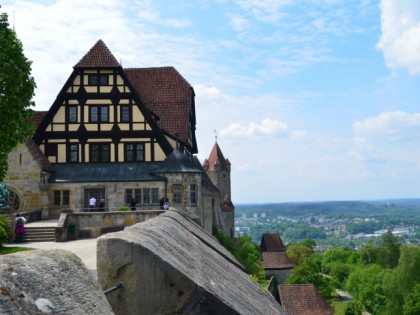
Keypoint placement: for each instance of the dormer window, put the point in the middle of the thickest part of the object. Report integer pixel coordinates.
(98, 79)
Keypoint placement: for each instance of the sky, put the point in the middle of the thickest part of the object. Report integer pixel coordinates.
(310, 100)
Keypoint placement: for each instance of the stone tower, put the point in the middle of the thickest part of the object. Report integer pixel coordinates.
(218, 170)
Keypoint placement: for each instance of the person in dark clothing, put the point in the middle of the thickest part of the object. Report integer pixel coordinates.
(133, 204)
(101, 205)
(20, 228)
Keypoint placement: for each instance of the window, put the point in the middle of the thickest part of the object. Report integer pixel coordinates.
(72, 114)
(193, 194)
(61, 197)
(98, 79)
(145, 196)
(98, 113)
(125, 113)
(74, 153)
(99, 152)
(177, 193)
(134, 152)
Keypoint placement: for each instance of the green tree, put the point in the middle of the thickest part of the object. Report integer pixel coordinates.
(309, 271)
(392, 245)
(298, 252)
(412, 303)
(308, 242)
(335, 255)
(16, 91)
(365, 285)
(353, 308)
(6, 231)
(400, 281)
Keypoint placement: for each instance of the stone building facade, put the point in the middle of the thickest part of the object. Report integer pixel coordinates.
(117, 133)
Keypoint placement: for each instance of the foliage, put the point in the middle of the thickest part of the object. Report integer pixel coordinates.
(123, 208)
(365, 285)
(335, 255)
(392, 244)
(244, 250)
(6, 230)
(309, 271)
(16, 91)
(372, 254)
(353, 308)
(298, 252)
(308, 242)
(400, 281)
(412, 303)
(10, 250)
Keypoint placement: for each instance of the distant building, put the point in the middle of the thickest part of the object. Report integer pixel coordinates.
(303, 299)
(276, 262)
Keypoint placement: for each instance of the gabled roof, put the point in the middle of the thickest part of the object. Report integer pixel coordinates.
(303, 299)
(177, 162)
(168, 95)
(104, 172)
(271, 242)
(216, 158)
(276, 260)
(43, 161)
(99, 56)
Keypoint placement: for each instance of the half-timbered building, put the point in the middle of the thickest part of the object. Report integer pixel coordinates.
(117, 134)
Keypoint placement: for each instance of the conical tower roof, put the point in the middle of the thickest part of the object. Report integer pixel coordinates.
(99, 56)
(216, 158)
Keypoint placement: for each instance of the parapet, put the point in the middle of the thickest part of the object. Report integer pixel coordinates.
(170, 265)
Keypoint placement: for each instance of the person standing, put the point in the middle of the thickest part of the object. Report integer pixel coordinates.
(133, 204)
(101, 207)
(92, 204)
(19, 227)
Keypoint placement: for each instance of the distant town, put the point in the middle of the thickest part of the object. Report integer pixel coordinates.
(331, 224)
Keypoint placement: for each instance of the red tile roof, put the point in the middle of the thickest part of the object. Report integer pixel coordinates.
(271, 242)
(37, 117)
(303, 299)
(168, 95)
(216, 158)
(207, 185)
(276, 260)
(99, 56)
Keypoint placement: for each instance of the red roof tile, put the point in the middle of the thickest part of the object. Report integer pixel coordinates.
(37, 117)
(303, 299)
(168, 95)
(207, 185)
(99, 56)
(216, 158)
(271, 242)
(276, 260)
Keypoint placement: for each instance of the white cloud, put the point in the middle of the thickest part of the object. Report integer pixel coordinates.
(400, 39)
(395, 125)
(267, 127)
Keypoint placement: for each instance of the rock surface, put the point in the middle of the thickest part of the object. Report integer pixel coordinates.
(170, 265)
(49, 282)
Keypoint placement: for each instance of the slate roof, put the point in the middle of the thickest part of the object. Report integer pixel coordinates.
(216, 158)
(99, 56)
(104, 172)
(168, 95)
(276, 260)
(177, 162)
(303, 299)
(271, 242)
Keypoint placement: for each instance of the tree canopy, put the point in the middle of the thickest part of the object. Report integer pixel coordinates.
(16, 91)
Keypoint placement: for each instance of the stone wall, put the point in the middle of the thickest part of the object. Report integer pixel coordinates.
(49, 281)
(73, 226)
(170, 265)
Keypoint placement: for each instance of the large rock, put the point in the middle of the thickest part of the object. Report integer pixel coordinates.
(169, 265)
(48, 281)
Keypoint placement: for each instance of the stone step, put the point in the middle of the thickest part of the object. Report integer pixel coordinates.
(39, 234)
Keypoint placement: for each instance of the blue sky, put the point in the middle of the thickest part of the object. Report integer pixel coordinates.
(311, 99)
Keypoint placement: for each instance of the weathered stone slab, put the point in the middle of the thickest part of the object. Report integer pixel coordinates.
(49, 281)
(170, 265)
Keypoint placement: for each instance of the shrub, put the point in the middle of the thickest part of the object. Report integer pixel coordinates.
(123, 208)
(6, 231)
